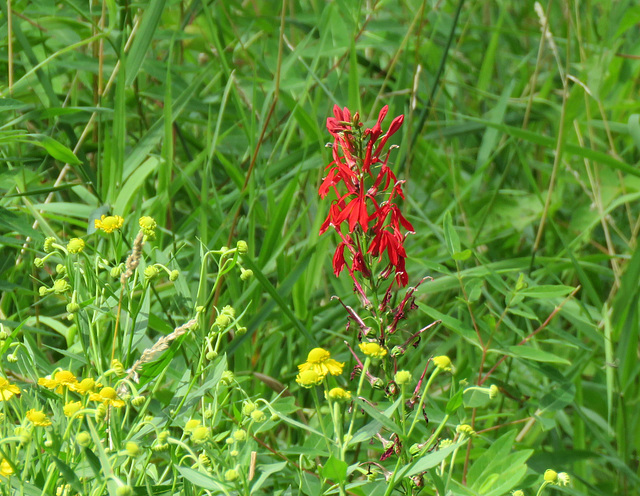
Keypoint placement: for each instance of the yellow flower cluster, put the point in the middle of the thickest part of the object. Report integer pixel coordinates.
(109, 223)
(319, 363)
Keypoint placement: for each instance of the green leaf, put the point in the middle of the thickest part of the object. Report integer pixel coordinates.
(201, 480)
(58, 151)
(551, 291)
(529, 353)
(143, 39)
(451, 239)
(335, 470)
(428, 461)
(454, 402)
(461, 255)
(69, 474)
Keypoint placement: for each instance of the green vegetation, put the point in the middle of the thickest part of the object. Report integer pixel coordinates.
(163, 275)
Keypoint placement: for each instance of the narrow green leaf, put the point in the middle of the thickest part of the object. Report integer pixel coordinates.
(451, 239)
(549, 291)
(143, 39)
(529, 353)
(58, 151)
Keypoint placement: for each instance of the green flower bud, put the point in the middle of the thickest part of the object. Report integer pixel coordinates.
(125, 490)
(230, 475)
(234, 453)
(61, 286)
(73, 307)
(227, 378)
(61, 270)
(116, 271)
(173, 276)
(151, 272)
(48, 244)
(83, 439)
(204, 460)
(38, 262)
(222, 320)
(43, 291)
(132, 448)
(240, 434)
(138, 401)
(246, 274)
(12, 358)
(248, 407)
(402, 377)
(242, 247)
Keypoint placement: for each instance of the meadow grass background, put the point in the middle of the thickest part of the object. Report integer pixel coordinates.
(210, 117)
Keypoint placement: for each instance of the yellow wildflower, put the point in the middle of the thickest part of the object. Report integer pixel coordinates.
(71, 408)
(372, 349)
(38, 417)
(148, 226)
(5, 469)
(309, 378)
(85, 386)
(75, 245)
(442, 362)
(61, 379)
(319, 360)
(337, 393)
(191, 425)
(107, 396)
(7, 390)
(550, 476)
(109, 223)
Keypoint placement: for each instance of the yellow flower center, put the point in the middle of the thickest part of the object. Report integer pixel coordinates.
(318, 355)
(108, 393)
(65, 377)
(37, 416)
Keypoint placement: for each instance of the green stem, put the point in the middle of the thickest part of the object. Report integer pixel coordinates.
(422, 400)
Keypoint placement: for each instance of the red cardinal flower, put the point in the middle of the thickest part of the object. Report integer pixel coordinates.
(365, 214)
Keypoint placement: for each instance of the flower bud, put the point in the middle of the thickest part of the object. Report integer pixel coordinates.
(48, 244)
(83, 439)
(173, 276)
(73, 307)
(443, 363)
(61, 286)
(230, 475)
(402, 377)
(151, 272)
(75, 245)
(12, 358)
(148, 226)
(241, 330)
(246, 274)
(222, 320)
(38, 262)
(204, 460)
(258, 416)
(132, 448)
(125, 490)
(248, 407)
(200, 434)
(61, 270)
(240, 435)
(116, 271)
(227, 378)
(211, 355)
(242, 247)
